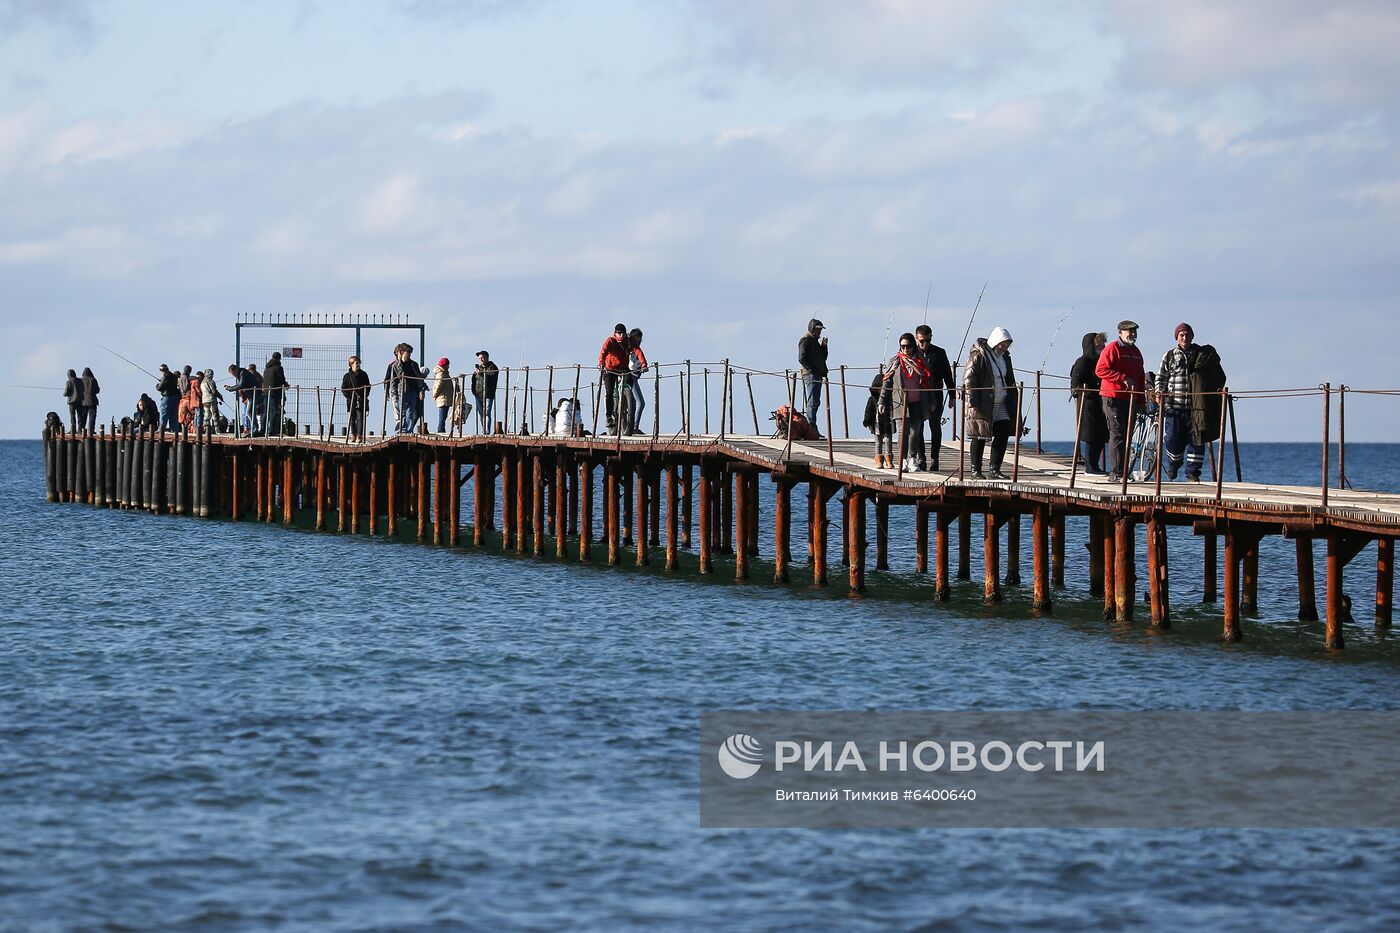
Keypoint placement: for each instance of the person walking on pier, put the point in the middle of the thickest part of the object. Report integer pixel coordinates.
(612, 361)
(484, 379)
(354, 385)
(940, 372)
(443, 392)
(73, 391)
(811, 357)
(906, 387)
(1120, 375)
(1084, 393)
(989, 400)
(168, 385)
(877, 419)
(1189, 380)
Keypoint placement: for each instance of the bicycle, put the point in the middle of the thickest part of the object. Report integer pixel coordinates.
(1142, 445)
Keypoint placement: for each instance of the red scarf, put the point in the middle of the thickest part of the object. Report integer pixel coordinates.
(911, 367)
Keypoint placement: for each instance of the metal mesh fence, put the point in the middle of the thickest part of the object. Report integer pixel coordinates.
(317, 369)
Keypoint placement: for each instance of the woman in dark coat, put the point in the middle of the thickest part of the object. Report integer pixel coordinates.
(90, 391)
(1083, 383)
(73, 391)
(877, 419)
(354, 385)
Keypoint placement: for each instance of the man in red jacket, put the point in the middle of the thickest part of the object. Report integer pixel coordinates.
(1120, 372)
(612, 360)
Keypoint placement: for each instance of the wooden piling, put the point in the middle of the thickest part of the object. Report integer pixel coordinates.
(1307, 586)
(1040, 560)
(991, 570)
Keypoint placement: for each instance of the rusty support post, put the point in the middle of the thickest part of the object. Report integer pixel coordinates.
(818, 530)
(612, 524)
(585, 508)
(1057, 550)
(741, 526)
(1249, 577)
(782, 529)
(642, 516)
(855, 530)
(1124, 582)
(845, 415)
(481, 475)
(561, 504)
(1108, 546)
(991, 576)
(423, 491)
(1326, 462)
(373, 467)
(1232, 585)
(1013, 550)
(624, 492)
(537, 504)
(523, 479)
(1307, 586)
(965, 546)
(687, 503)
(882, 534)
(287, 465)
(1157, 570)
(726, 512)
(920, 537)
(672, 560)
(942, 592)
(342, 490)
(1385, 582)
(1211, 570)
(706, 519)
(1040, 559)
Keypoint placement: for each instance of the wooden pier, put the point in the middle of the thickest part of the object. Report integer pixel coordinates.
(535, 495)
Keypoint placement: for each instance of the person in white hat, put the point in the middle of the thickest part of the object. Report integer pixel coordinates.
(989, 400)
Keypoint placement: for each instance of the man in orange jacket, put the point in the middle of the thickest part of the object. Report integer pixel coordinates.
(1121, 376)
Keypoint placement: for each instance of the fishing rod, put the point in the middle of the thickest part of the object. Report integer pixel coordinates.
(1046, 359)
(120, 357)
(885, 353)
(927, 296)
(970, 320)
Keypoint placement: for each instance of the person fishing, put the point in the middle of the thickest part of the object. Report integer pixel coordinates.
(73, 392)
(168, 385)
(90, 392)
(811, 357)
(1084, 393)
(275, 384)
(906, 385)
(989, 400)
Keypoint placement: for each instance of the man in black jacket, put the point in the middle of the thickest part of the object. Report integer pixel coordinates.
(935, 359)
(168, 385)
(811, 356)
(484, 379)
(275, 383)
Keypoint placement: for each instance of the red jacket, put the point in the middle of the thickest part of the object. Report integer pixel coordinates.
(1120, 369)
(613, 356)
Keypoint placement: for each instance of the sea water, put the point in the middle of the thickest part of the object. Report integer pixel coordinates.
(219, 725)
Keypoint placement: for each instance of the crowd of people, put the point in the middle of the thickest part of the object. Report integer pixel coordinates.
(913, 392)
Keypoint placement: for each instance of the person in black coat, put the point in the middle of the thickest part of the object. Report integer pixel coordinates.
(877, 419)
(73, 392)
(275, 382)
(1084, 384)
(90, 393)
(355, 386)
(940, 377)
(147, 415)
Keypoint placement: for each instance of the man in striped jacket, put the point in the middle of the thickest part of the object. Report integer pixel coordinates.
(1186, 380)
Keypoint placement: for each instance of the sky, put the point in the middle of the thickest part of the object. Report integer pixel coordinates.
(520, 176)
